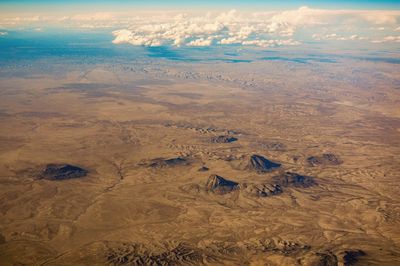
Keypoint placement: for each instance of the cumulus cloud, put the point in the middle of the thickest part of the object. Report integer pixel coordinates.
(265, 29)
(310, 16)
(380, 18)
(231, 40)
(200, 42)
(223, 29)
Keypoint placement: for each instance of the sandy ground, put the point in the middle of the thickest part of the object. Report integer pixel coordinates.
(114, 121)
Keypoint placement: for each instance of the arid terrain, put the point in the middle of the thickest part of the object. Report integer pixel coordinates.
(259, 163)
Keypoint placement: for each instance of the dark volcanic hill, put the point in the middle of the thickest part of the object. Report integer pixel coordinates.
(62, 172)
(261, 164)
(350, 257)
(220, 185)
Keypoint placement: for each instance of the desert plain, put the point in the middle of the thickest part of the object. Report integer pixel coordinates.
(273, 162)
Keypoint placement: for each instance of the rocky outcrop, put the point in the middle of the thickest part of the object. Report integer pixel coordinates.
(203, 169)
(168, 254)
(163, 163)
(62, 172)
(324, 159)
(270, 146)
(261, 190)
(261, 164)
(327, 259)
(223, 139)
(209, 253)
(220, 185)
(284, 247)
(289, 179)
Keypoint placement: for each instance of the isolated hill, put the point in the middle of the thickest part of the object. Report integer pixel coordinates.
(62, 171)
(220, 185)
(261, 164)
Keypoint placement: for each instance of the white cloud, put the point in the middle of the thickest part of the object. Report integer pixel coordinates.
(200, 42)
(272, 28)
(331, 36)
(122, 36)
(380, 17)
(300, 17)
(126, 36)
(388, 39)
(356, 37)
(230, 40)
(271, 43)
(3, 33)
(309, 16)
(336, 37)
(228, 16)
(223, 29)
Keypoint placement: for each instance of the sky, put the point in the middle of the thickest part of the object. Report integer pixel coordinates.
(178, 23)
(116, 5)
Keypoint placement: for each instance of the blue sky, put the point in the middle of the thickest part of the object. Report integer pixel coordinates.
(248, 4)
